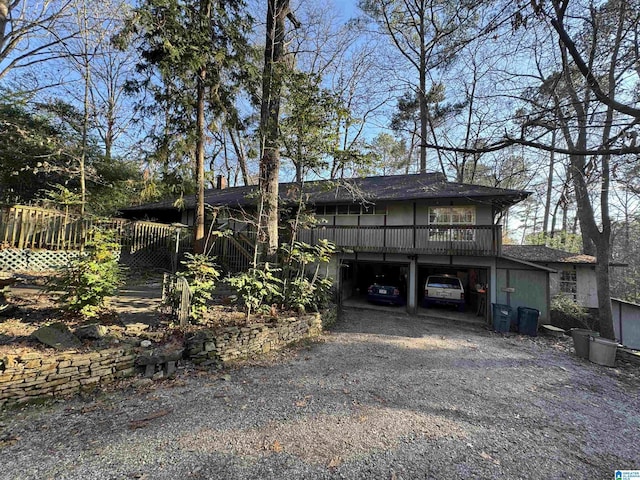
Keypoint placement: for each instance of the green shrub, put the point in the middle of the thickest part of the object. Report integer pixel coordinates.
(88, 280)
(306, 290)
(299, 295)
(297, 286)
(202, 274)
(258, 289)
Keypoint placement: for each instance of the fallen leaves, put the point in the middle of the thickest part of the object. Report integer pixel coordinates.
(8, 440)
(304, 402)
(276, 447)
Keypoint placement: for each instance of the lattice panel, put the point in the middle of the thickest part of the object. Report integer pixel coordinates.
(25, 260)
(14, 260)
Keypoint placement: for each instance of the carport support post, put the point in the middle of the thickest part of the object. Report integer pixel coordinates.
(412, 288)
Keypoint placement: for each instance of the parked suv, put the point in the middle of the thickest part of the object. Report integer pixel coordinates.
(444, 289)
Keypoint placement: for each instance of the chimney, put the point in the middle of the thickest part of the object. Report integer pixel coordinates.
(221, 182)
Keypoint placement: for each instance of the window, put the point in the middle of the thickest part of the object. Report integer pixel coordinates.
(569, 284)
(368, 209)
(449, 217)
(373, 209)
(343, 210)
(357, 209)
(444, 282)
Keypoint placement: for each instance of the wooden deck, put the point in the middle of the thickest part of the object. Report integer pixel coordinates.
(476, 240)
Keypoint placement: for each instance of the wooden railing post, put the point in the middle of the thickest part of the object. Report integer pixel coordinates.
(414, 236)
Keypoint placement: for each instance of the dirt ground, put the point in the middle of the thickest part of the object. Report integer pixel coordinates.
(384, 395)
(138, 301)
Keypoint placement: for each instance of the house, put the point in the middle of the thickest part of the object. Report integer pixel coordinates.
(405, 227)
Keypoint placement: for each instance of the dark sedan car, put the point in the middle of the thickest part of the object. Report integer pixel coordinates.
(381, 292)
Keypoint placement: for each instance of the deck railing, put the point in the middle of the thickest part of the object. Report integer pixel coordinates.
(481, 240)
(39, 228)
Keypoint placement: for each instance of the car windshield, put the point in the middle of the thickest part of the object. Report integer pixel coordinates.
(443, 282)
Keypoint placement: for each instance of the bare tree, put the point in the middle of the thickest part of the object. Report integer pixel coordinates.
(427, 34)
(31, 32)
(593, 126)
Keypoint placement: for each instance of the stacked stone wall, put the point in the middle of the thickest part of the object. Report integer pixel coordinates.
(33, 376)
(230, 343)
(39, 375)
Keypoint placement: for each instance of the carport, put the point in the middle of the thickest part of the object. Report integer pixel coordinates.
(358, 275)
(475, 281)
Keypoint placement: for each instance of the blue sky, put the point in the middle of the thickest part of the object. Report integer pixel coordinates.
(347, 7)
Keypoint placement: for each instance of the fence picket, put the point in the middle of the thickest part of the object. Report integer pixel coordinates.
(38, 228)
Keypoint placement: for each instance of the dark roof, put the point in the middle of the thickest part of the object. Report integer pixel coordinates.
(543, 254)
(353, 190)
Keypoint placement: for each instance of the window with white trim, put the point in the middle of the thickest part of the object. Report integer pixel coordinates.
(569, 284)
(450, 217)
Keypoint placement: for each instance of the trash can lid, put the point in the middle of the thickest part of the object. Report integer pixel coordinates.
(604, 341)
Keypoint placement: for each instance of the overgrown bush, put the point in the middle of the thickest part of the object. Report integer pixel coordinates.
(88, 280)
(306, 290)
(297, 286)
(566, 313)
(202, 275)
(257, 289)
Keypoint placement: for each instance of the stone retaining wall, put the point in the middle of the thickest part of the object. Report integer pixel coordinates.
(231, 343)
(32, 376)
(39, 375)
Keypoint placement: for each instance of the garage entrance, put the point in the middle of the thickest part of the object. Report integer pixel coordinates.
(357, 276)
(474, 280)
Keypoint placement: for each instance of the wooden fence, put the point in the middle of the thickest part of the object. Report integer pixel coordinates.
(26, 227)
(38, 239)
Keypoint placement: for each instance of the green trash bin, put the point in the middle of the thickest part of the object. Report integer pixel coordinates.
(501, 317)
(528, 321)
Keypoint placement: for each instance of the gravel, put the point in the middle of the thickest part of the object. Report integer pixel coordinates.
(384, 395)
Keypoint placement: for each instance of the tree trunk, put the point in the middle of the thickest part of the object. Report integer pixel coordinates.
(198, 245)
(422, 99)
(554, 217)
(5, 16)
(460, 174)
(547, 204)
(277, 11)
(603, 282)
(241, 155)
(85, 133)
(109, 133)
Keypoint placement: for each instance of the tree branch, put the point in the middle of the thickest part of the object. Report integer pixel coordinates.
(509, 142)
(591, 80)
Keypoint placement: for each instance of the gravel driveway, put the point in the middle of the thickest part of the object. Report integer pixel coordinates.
(384, 395)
